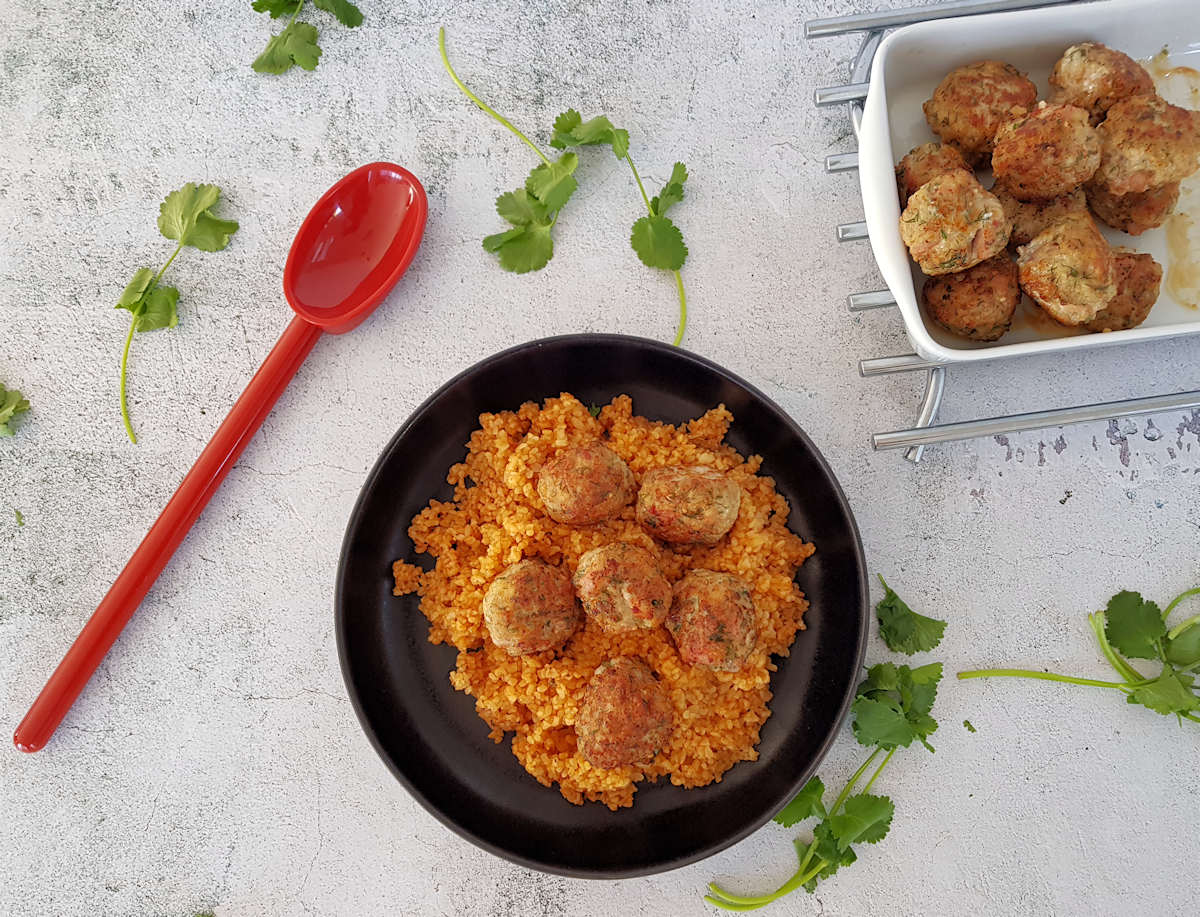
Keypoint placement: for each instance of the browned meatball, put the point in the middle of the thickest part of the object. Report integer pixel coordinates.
(621, 587)
(952, 223)
(977, 303)
(1146, 142)
(1069, 270)
(924, 162)
(1134, 212)
(1138, 279)
(971, 102)
(585, 484)
(1028, 218)
(530, 607)
(1096, 77)
(712, 620)
(1046, 153)
(626, 716)
(688, 505)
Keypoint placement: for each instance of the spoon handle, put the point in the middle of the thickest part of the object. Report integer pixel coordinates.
(118, 606)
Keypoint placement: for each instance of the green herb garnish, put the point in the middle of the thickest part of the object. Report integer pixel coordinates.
(902, 629)
(533, 209)
(967, 726)
(12, 403)
(185, 216)
(20, 517)
(1133, 627)
(296, 45)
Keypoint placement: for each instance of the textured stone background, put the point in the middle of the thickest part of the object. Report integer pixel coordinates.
(215, 762)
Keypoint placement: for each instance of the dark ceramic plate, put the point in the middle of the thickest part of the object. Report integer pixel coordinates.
(429, 734)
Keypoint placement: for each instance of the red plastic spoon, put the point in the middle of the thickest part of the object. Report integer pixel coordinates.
(351, 249)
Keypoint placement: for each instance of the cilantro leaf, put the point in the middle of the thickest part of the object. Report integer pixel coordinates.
(12, 403)
(553, 183)
(1134, 626)
(521, 209)
(296, 46)
(893, 705)
(186, 216)
(278, 8)
(967, 725)
(571, 130)
(806, 804)
(672, 192)
(1184, 649)
(863, 818)
(136, 289)
(346, 12)
(658, 243)
(904, 630)
(159, 310)
(1171, 692)
(522, 249)
(827, 849)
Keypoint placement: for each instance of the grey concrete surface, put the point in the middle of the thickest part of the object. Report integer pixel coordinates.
(215, 763)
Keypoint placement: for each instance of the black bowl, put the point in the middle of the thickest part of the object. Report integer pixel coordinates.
(430, 735)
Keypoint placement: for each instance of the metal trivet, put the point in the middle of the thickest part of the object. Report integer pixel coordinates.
(924, 430)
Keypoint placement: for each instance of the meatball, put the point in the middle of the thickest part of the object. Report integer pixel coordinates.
(924, 162)
(1138, 280)
(951, 223)
(530, 607)
(977, 303)
(1069, 270)
(1028, 218)
(626, 716)
(1146, 142)
(971, 102)
(712, 620)
(688, 505)
(1096, 77)
(621, 587)
(1046, 153)
(585, 484)
(1136, 211)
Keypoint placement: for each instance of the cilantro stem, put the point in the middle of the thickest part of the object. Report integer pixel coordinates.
(1175, 601)
(1044, 676)
(1124, 669)
(124, 362)
(1180, 628)
(478, 101)
(682, 309)
(642, 188)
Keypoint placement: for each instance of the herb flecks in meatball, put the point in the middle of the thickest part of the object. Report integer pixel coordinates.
(1095, 77)
(1047, 153)
(1135, 212)
(977, 303)
(971, 103)
(585, 484)
(1146, 142)
(923, 163)
(531, 607)
(626, 717)
(621, 587)
(1139, 277)
(1069, 270)
(688, 504)
(712, 620)
(951, 223)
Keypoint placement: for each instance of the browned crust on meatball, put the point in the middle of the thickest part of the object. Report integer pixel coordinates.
(1146, 142)
(530, 607)
(585, 484)
(1139, 277)
(688, 504)
(1096, 77)
(626, 716)
(1135, 212)
(971, 102)
(712, 620)
(977, 303)
(621, 587)
(1047, 153)
(924, 162)
(1028, 218)
(951, 223)
(1069, 270)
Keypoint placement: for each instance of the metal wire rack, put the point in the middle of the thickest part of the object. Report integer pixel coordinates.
(925, 429)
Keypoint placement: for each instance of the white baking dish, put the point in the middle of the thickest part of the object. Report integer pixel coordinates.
(908, 66)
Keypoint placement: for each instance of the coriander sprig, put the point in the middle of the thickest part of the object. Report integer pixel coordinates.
(12, 403)
(1131, 626)
(296, 45)
(533, 209)
(184, 216)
